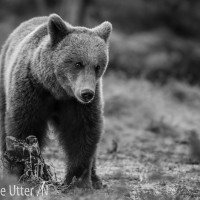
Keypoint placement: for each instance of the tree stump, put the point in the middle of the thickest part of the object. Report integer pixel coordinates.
(25, 155)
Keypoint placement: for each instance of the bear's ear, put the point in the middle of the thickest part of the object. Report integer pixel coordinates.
(57, 28)
(104, 30)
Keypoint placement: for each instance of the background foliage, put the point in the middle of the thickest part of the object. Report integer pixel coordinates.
(157, 39)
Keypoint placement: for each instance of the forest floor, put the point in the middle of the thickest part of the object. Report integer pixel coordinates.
(150, 149)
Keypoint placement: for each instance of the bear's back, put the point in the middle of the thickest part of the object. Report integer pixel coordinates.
(22, 31)
(21, 41)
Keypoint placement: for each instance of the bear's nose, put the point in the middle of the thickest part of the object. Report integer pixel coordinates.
(87, 95)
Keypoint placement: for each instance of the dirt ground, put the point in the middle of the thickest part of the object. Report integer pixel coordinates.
(150, 149)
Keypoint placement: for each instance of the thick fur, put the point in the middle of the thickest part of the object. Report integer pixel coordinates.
(41, 83)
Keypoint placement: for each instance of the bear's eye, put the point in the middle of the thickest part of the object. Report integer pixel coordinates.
(79, 65)
(97, 69)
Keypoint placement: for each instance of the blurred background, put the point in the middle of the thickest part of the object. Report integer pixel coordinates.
(157, 39)
(151, 87)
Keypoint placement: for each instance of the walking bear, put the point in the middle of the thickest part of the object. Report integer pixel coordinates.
(51, 72)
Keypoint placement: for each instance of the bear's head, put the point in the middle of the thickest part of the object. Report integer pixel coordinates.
(79, 56)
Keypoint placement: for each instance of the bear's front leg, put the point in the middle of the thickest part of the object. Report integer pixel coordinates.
(80, 174)
(24, 116)
(81, 127)
(87, 177)
(96, 181)
(80, 161)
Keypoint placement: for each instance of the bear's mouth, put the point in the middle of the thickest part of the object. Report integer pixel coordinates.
(83, 101)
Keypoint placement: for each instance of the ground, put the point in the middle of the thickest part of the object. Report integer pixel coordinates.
(150, 148)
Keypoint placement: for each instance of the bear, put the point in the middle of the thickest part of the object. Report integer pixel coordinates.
(51, 73)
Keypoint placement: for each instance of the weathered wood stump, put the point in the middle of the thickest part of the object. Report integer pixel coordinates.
(26, 156)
